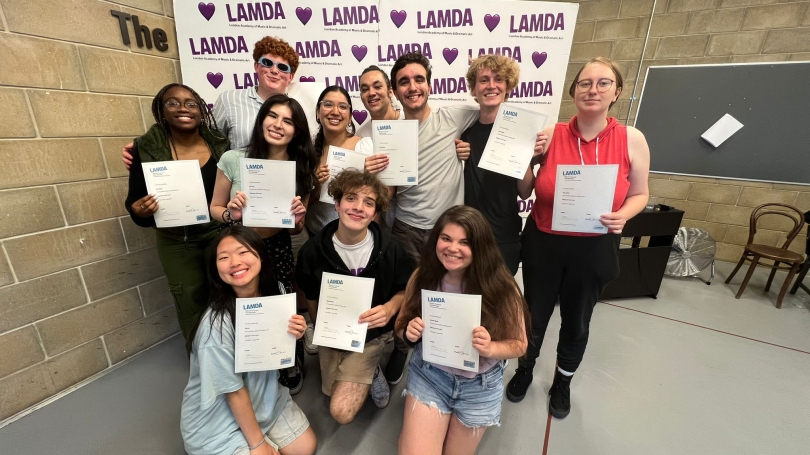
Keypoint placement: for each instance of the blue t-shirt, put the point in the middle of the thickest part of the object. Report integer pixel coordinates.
(206, 421)
(229, 165)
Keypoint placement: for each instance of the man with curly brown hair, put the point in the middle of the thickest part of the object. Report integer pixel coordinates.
(235, 111)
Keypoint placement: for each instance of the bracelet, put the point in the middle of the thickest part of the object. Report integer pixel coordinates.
(226, 216)
(257, 445)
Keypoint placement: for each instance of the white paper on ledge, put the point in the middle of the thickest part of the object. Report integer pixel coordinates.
(722, 130)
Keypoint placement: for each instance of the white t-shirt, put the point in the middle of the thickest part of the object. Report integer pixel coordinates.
(355, 256)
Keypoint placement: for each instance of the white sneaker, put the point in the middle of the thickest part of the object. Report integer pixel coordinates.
(380, 392)
(309, 334)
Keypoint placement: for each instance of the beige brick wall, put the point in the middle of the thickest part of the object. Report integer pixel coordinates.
(699, 32)
(81, 287)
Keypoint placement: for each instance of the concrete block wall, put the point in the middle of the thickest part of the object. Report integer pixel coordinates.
(81, 287)
(687, 32)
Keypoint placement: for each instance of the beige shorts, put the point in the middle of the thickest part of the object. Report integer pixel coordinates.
(347, 366)
(289, 425)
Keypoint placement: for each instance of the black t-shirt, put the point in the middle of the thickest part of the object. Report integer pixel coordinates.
(494, 195)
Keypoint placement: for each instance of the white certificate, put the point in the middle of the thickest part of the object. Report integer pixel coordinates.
(179, 190)
(399, 139)
(582, 195)
(262, 340)
(339, 159)
(270, 188)
(343, 299)
(449, 322)
(510, 145)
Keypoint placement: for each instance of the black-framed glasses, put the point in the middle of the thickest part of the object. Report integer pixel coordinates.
(173, 105)
(602, 85)
(267, 63)
(328, 105)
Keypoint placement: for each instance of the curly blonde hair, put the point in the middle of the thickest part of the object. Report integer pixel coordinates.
(501, 65)
(278, 47)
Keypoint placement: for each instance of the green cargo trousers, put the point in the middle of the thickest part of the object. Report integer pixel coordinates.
(185, 259)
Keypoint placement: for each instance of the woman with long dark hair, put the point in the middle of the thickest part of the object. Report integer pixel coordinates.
(281, 132)
(573, 267)
(184, 130)
(461, 256)
(333, 113)
(230, 413)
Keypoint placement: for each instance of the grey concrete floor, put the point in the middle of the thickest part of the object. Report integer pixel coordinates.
(693, 372)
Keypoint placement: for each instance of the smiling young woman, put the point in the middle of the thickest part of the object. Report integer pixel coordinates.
(184, 130)
(573, 267)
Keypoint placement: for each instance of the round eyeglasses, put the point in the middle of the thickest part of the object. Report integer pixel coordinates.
(328, 105)
(602, 85)
(173, 105)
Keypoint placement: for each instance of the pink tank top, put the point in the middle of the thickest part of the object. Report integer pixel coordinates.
(565, 147)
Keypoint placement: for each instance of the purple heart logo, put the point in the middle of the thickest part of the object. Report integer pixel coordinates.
(539, 58)
(492, 21)
(215, 79)
(450, 54)
(398, 17)
(207, 10)
(359, 52)
(307, 79)
(360, 116)
(304, 14)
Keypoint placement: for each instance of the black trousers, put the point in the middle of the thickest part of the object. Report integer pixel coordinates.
(573, 270)
(511, 255)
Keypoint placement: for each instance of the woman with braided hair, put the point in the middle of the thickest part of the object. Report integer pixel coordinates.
(184, 130)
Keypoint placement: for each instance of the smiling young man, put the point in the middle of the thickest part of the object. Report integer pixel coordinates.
(491, 78)
(355, 245)
(441, 172)
(275, 63)
(377, 96)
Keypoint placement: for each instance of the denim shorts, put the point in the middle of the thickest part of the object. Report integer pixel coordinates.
(289, 425)
(476, 402)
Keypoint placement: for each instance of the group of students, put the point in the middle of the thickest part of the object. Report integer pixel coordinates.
(457, 231)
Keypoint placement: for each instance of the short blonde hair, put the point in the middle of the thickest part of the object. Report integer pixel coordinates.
(501, 65)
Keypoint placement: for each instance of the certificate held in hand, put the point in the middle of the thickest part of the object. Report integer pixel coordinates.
(510, 145)
(338, 160)
(582, 195)
(179, 190)
(449, 323)
(262, 340)
(399, 139)
(270, 188)
(343, 299)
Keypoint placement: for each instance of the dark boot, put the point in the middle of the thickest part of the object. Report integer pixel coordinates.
(559, 405)
(519, 384)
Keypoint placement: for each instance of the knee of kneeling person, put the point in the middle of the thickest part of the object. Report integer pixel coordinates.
(342, 416)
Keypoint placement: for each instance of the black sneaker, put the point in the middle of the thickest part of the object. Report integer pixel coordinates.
(559, 405)
(292, 378)
(395, 367)
(519, 384)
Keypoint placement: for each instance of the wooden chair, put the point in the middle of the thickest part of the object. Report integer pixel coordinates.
(806, 266)
(779, 255)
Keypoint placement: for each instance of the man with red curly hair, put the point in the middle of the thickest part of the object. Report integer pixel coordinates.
(235, 111)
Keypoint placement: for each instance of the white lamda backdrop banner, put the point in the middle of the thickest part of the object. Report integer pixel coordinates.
(337, 39)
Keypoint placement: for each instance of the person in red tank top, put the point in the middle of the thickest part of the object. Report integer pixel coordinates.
(571, 267)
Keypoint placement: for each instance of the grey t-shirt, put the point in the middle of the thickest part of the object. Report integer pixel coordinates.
(441, 173)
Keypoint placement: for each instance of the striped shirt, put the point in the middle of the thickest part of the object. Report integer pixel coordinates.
(235, 113)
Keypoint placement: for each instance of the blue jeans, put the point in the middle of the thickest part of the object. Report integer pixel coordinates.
(476, 402)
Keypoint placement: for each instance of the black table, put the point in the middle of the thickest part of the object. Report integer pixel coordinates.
(642, 268)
